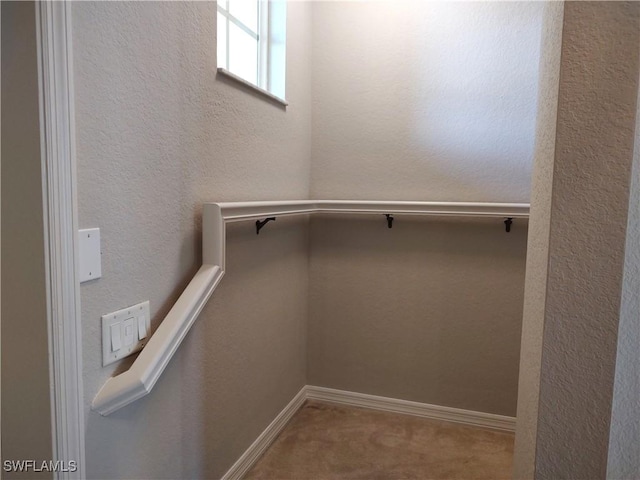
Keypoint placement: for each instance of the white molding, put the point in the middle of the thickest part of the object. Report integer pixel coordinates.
(57, 128)
(384, 404)
(266, 438)
(435, 412)
(235, 211)
(138, 381)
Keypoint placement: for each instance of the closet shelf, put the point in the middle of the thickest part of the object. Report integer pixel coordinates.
(138, 381)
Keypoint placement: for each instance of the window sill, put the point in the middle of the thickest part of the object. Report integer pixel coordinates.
(226, 73)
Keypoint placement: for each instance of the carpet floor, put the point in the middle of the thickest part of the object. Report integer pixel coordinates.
(324, 441)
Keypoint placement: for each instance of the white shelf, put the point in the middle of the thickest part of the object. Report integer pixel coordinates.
(138, 381)
(247, 210)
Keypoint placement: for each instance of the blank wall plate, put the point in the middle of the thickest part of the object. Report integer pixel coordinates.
(89, 254)
(125, 332)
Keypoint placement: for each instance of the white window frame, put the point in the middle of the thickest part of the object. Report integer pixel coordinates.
(263, 35)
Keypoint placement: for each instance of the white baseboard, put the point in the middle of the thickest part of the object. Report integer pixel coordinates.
(385, 404)
(436, 412)
(266, 438)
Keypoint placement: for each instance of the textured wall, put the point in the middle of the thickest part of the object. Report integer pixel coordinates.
(538, 243)
(26, 414)
(624, 437)
(405, 107)
(427, 311)
(424, 100)
(587, 234)
(158, 135)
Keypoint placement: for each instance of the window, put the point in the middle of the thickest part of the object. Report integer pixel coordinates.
(252, 42)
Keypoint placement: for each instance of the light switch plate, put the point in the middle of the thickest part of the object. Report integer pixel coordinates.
(89, 254)
(125, 322)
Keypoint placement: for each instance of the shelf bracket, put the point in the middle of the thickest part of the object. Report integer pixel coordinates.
(507, 224)
(262, 223)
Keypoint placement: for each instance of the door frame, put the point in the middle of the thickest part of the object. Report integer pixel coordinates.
(57, 140)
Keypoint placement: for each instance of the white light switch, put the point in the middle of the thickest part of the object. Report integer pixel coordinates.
(124, 332)
(90, 263)
(128, 331)
(142, 328)
(115, 337)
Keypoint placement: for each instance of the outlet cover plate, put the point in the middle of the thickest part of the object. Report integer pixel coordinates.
(90, 262)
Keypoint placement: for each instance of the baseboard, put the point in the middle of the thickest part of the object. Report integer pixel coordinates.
(330, 395)
(266, 438)
(436, 412)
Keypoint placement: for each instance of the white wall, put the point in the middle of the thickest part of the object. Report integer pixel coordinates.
(424, 100)
(26, 411)
(421, 101)
(158, 134)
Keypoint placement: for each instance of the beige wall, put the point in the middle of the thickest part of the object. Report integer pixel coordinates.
(538, 242)
(157, 135)
(421, 101)
(26, 415)
(589, 193)
(624, 437)
(594, 148)
(427, 311)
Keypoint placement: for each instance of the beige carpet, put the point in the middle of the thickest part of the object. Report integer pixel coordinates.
(325, 441)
